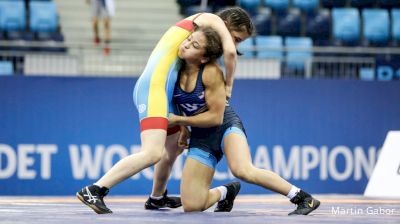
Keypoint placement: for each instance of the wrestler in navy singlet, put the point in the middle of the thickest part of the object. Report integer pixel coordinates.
(209, 140)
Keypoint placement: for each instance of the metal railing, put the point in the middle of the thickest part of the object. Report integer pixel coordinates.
(84, 59)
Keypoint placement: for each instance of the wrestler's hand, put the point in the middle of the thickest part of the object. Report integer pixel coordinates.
(183, 138)
(228, 90)
(173, 119)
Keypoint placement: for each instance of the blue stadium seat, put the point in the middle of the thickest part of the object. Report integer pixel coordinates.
(251, 6)
(289, 24)
(308, 6)
(376, 26)
(319, 26)
(363, 3)
(367, 74)
(262, 22)
(43, 16)
(263, 42)
(333, 3)
(245, 48)
(278, 6)
(6, 68)
(296, 59)
(12, 15)
(389, 3)
(384, 73)
(395, 27)
(346, 25)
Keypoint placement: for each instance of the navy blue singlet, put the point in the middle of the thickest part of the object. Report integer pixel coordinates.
(194, 102)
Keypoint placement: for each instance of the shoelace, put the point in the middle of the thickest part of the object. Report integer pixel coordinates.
(91, 198)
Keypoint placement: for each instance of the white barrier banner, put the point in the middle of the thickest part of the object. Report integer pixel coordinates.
(385, 179)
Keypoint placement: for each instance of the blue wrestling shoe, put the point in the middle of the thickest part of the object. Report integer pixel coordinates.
(305, 203)
(92, 196)
(164, 202)
(226, 205)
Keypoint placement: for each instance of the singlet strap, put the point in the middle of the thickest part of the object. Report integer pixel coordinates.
(199, 81)
(195, 24)
(198, 14)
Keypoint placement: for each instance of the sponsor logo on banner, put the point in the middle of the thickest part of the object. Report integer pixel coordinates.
(88, 162)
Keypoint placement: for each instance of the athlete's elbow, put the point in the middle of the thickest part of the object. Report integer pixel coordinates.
(230, 55)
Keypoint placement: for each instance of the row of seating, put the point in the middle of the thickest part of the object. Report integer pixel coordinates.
(375, 26)
(42, 16)
(310, 6)
(41, 25)
(271, 47)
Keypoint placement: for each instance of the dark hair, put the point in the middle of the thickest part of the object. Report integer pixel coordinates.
(237, 20)
(214, 44)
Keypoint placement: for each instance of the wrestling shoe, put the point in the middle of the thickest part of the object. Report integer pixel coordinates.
(92, 196)
(305, 203)
(226, 205)
(165, 201)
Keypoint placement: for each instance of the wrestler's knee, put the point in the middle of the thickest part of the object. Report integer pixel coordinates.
(243, 172)
(153, 156)
(192, 206)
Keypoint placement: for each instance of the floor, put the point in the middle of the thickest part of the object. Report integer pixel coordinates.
(247, 209)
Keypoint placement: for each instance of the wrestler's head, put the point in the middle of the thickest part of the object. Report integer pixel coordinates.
(202, 46)
(238, 22)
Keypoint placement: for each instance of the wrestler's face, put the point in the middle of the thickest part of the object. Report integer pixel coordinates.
(238, 36)
(193, 48)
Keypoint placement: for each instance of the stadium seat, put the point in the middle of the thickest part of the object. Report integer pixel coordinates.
(333, 3)
(262, 22)
(12, 15)
(289, 24)
(279, 6)
(263, 42)
(245, 48)
(251, 6)
(308, 6)
(367, 74)
(6, 68)
(346, 25)
(389, 3)
(384, 73)
(319, 26)
(362, 3)
(376, 26)
(296, 59)
(43, 16)
(395, 27)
